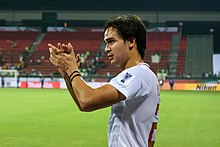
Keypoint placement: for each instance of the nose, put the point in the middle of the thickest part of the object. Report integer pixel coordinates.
(107, 49)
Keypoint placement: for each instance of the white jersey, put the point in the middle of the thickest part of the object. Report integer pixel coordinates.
(131, 120)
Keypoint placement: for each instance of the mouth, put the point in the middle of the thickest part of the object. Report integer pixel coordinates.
(110, 57)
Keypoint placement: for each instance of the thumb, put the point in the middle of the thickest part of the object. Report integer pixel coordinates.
(78, 60)
(71, 48)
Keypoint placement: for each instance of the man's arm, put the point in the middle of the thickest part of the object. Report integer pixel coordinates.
(70, 89)
(95, 98)
(86, 97)
(55, 59)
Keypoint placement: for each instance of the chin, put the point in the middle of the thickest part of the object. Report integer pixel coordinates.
(115, 63)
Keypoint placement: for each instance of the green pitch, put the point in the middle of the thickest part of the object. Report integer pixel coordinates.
(49, 118)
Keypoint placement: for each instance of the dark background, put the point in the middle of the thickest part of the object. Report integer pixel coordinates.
(135, 5)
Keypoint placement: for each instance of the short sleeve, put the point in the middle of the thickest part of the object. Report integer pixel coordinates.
(128, 83)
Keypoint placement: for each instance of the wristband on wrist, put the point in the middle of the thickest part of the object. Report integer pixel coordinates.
(76, 71)
(71, 79)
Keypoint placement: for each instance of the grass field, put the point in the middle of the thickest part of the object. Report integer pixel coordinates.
(49, 118)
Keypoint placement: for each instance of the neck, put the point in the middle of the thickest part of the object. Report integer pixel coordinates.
(133, 61)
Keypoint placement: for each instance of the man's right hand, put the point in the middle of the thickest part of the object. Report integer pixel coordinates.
(55, 57)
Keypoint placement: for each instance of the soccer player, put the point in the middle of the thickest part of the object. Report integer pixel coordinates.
(133, 94)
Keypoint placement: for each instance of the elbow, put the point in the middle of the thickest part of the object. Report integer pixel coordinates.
(85, 106)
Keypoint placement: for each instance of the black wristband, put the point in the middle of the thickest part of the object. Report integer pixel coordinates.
(74, 77)
(76, 71)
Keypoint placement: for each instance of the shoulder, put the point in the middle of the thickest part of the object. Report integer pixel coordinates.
(131, 74)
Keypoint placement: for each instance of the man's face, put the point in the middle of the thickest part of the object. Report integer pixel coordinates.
(116, 48)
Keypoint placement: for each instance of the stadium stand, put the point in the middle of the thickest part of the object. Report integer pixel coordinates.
(17, 39)
(84, 42)
(181, 57)
(192, 51)
(13, 47)
(159, 43)
(81, 40)
(199, 55)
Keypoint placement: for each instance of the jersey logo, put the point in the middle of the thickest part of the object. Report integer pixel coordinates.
(127, 76)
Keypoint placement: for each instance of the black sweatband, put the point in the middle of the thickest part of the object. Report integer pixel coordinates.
(75, 76)
(76, 71)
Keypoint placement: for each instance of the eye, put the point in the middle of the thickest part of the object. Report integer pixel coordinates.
(111, 41)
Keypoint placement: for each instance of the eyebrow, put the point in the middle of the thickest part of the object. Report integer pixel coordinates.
(108, 39)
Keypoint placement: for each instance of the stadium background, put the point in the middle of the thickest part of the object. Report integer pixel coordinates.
(181, 25)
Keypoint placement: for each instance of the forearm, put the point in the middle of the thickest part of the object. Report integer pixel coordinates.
(67, 64)
(70, 89)
(88, 98)
(81, 93)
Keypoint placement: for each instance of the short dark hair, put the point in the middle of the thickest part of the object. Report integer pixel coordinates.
(130, 27)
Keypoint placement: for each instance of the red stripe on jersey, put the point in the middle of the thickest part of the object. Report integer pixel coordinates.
(153, 128)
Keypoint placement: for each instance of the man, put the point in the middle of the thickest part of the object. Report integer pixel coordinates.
(133, 94)
(171, 82)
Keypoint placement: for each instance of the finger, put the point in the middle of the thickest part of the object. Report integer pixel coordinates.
(57, 62)
(78, 59)
(53, 55)
(51, 45)
(69, 45)
(53, 62)
(55, 49)
(59, 46)
(62, 47)
(52, 52)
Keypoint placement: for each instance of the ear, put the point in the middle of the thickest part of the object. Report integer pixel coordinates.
(131, 43)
